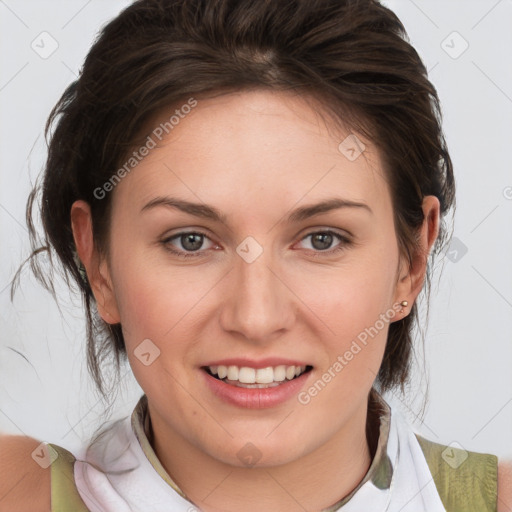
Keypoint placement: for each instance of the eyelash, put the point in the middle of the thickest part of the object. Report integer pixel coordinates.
(345, 242)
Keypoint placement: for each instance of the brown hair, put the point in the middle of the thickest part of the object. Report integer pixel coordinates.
(352, 56)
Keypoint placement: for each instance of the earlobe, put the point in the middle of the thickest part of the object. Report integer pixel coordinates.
(95, 264)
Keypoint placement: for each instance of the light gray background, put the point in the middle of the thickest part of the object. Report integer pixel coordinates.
(469, 339)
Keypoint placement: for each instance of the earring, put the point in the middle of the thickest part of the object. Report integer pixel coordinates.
(404, 304)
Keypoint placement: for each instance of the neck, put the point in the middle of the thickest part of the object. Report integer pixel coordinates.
(314, 482)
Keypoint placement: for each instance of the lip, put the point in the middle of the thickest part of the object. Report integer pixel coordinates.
(255, 398)
(261, 363)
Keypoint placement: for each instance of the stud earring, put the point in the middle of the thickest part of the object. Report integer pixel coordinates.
(404, 304)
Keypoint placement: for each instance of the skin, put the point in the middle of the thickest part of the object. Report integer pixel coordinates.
(255, 156)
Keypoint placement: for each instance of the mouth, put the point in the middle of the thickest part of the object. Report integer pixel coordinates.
(256, 378)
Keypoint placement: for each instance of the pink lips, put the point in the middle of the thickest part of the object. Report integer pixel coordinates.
(255, 398)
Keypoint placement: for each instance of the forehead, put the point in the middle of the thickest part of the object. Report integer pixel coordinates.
(254, 146)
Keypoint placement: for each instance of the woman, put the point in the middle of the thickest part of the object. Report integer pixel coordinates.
(247, 195)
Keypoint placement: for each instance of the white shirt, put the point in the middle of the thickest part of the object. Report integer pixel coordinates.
(121, 473)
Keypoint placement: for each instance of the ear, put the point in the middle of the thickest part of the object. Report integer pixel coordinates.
(95, 264)
(411, 277)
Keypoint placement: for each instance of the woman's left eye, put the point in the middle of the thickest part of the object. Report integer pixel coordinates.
(192, 243)
(321, 242)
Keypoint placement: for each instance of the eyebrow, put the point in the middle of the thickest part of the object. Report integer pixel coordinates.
(209, 212)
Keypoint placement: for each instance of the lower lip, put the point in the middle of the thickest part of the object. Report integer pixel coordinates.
(256, 398)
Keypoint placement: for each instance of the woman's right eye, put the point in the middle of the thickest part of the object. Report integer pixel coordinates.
(186, 244)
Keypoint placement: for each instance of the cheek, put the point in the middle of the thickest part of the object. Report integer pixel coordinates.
(354, 318)
(353, 306)
(158, 308)
(157, 301)
(150, 306)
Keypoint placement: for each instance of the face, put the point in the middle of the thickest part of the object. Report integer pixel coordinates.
(219, 262)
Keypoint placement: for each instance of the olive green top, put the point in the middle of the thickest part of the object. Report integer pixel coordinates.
(466, 481)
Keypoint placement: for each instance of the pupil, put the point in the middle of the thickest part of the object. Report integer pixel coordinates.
(192, 241)
(324, 239)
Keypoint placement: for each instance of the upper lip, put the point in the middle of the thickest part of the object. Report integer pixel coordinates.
(260, 363)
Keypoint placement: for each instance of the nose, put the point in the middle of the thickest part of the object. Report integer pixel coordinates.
(259, 306)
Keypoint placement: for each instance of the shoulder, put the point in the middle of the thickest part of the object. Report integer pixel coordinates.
(25, 479)
(504, 485)
(465, 480)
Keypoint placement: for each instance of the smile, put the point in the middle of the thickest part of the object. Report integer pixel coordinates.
(247, 377)
(244, 386)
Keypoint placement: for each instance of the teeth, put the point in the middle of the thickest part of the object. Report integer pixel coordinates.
(290, 372)
(233, 372)
(264, 375)
(280, 373)
(247, 375)
(260, 386)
